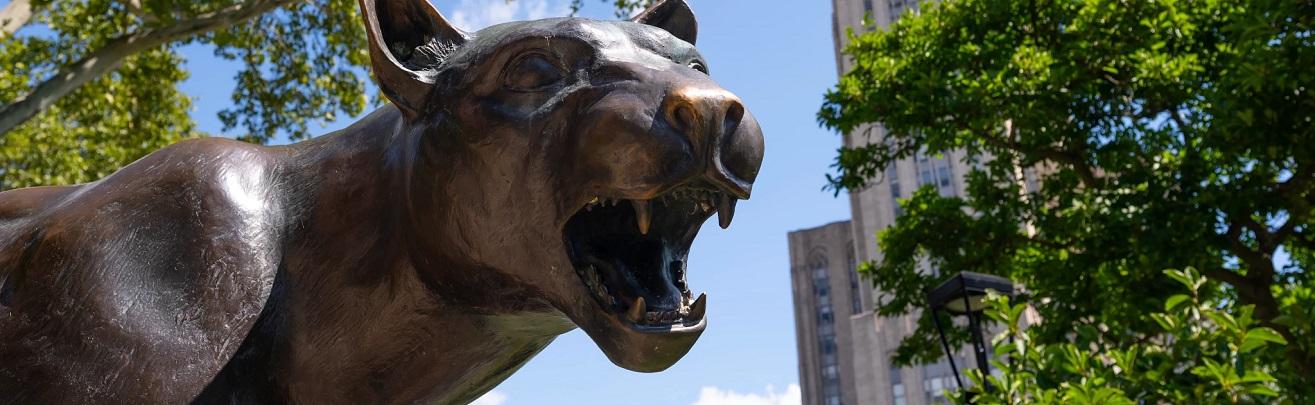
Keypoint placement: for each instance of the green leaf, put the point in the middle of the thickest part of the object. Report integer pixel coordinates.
(1262, 390)
(1224, 320)
(1257, 376)
(1166, 322)
(1179, 276)
(1258, 337)
(1173, 301)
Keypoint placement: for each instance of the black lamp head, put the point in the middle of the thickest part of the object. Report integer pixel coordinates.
(950, 295)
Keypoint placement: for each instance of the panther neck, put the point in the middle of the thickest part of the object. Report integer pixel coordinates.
(368, 313)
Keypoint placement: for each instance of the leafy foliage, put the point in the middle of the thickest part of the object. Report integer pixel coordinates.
(102, 125)
(303, 62)
(1164, 133)
(1204, 354)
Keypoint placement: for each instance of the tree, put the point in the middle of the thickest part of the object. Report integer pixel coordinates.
(1166, 133)
(94, 84)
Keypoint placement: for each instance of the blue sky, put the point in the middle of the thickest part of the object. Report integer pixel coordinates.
(777, 56)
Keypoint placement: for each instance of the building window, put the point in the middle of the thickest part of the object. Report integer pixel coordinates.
(898, 395)
(935, 388)
(935, 172)
(937, 379)
(831, 391)
(925, 167)
(855, 300)
(943, 174)
(945, 177)
(898, 7)
(892, 176)
(826, 329)
(828, 347)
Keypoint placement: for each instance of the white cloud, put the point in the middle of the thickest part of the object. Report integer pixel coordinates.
(716, 396)
(471, 15)
(491, 398)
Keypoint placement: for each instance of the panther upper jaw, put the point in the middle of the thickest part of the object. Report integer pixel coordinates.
(631, 256)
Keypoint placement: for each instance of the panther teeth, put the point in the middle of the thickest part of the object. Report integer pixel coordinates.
(725, 211)
(703, 201)
(643, 215)
(700, 201)
(636, 310)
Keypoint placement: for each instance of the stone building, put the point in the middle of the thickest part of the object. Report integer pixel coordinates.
(844, 349)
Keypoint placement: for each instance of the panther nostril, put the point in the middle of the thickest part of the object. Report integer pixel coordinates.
(734, 114)
(683, 116)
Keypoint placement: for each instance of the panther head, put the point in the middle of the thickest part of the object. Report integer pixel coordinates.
(574, 160)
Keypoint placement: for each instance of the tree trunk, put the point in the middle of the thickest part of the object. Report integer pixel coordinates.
(15, 16)
(112, 54)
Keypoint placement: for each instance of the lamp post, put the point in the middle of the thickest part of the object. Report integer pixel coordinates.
(964, 294)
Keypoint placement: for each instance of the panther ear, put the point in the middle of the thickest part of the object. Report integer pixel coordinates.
(409, 39)
(675, 16)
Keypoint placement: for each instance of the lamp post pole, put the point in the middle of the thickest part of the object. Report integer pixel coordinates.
(979, 346)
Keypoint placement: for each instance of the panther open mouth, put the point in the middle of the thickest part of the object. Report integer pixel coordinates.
(631, 254)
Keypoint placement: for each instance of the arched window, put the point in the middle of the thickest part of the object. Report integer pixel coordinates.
(826, 328)
(855, 301)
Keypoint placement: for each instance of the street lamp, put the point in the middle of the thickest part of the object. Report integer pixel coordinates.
(964, 294)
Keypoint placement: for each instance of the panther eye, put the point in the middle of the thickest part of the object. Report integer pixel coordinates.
(533, 71)
(699, 66)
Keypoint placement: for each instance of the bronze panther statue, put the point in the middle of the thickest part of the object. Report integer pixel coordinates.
(527, 179)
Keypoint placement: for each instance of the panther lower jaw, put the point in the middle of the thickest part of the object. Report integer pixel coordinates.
(648, 349)
(634, 337)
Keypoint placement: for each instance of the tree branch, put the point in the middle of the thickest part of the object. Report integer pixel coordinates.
(15, 16)
(1257, 261)
(1084, 171)
(1299, 183)
(1180, 122)
(1264, 239)
(1226, 276)
(113, 53)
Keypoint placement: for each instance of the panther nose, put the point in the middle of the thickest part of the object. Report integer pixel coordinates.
(715, 119)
